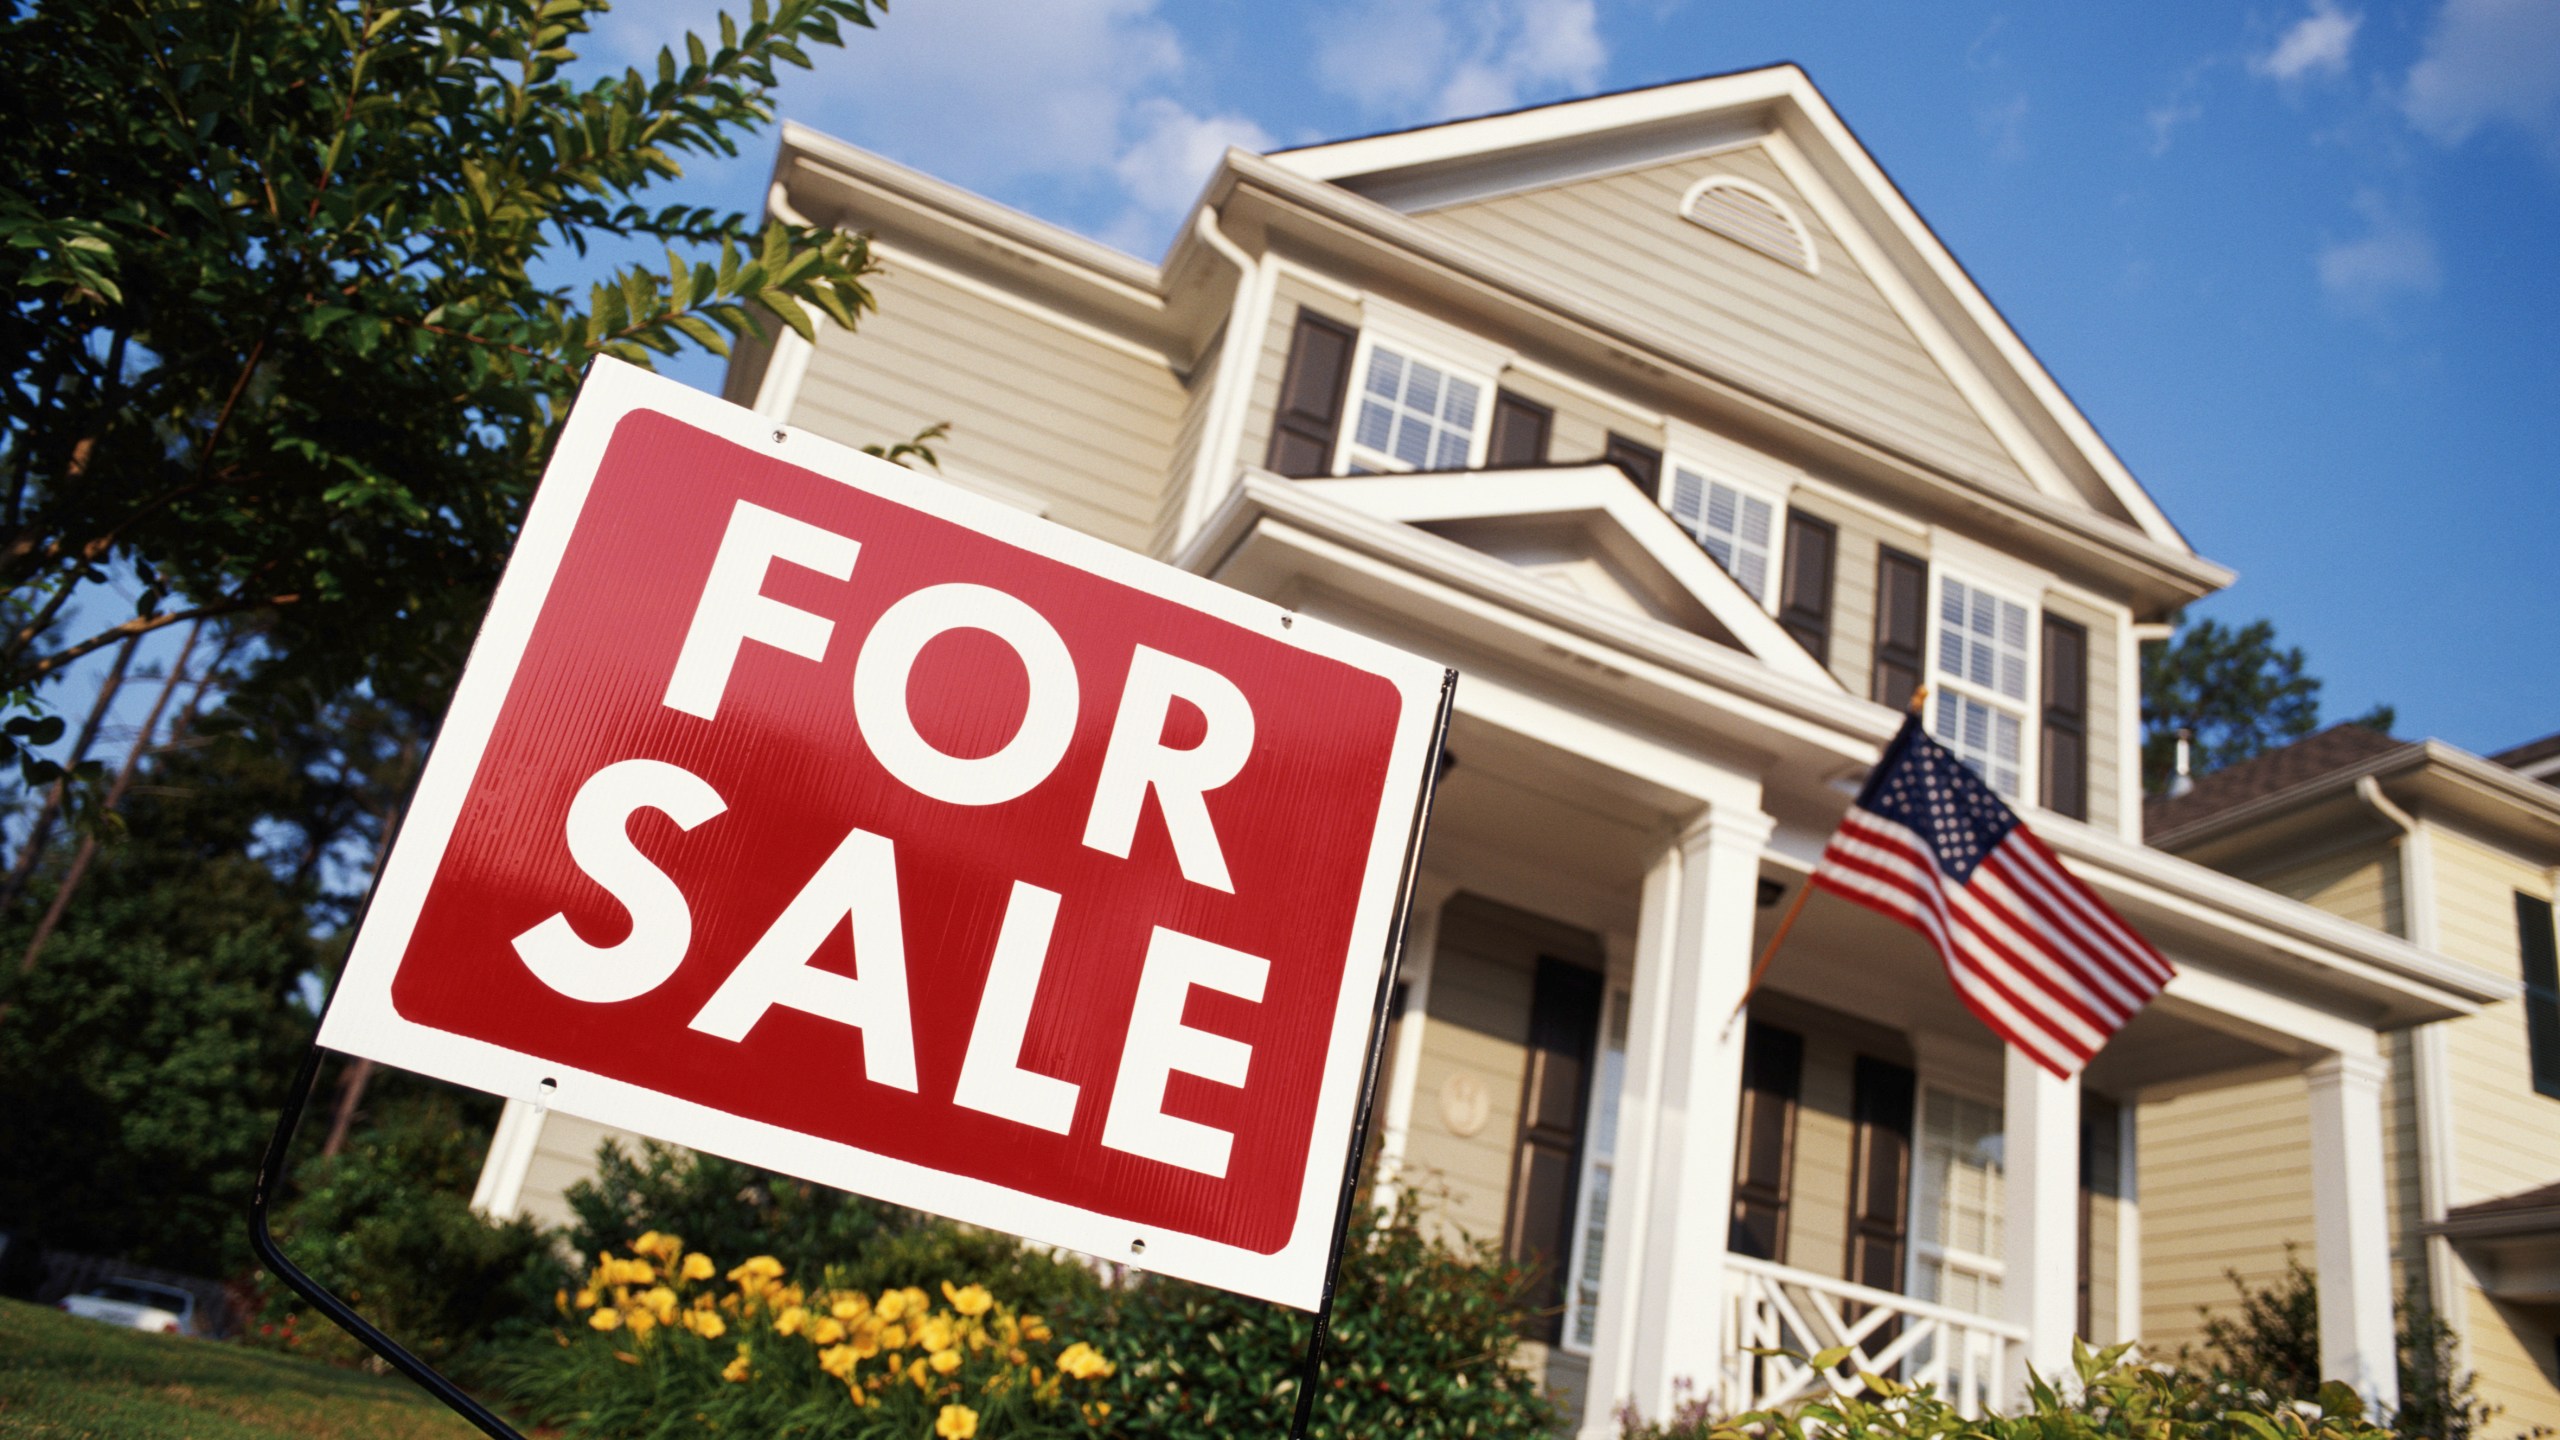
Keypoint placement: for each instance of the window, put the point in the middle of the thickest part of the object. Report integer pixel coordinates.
(1599, 1161)
(1737, 527)
(1804, 589)
(2541, 991)
(2066, 718)
(1520, 430)
(1982, 672)
(1764, 1150)
(1413, 415)
(1302, 433)
(1956, 1240)
(1642, 463)
(1754, 216)
(1555, 1095)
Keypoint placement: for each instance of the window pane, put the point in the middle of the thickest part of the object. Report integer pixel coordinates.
(1375, 421)
(1462, 406)
(1386, 373)
(1413, 442)
(1422, 389)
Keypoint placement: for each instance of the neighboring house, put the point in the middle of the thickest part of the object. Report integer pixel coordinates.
(1664, 418)
(2456, 853)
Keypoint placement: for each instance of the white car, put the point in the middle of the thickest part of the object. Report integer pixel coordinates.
(136, 1305)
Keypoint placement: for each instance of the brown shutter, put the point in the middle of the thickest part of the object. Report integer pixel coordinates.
(1764, 1158)
(1520, 430)
(2066, 718)
(2101, 1173)
(1804, 592)
(1564, 1025)
(1880, 1173)
(1902, 627)
(1642, 463)
(2541, 992)
(1311, 392)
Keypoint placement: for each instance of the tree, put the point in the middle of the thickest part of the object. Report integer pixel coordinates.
(274, 340)
(2236, 692)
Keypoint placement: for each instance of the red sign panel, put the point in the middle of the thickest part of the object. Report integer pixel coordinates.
(803, 809)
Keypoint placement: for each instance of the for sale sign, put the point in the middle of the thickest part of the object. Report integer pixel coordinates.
(807, 810)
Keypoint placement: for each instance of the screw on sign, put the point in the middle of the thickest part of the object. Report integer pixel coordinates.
(803, 809)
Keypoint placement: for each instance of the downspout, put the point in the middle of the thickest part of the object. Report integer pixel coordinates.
(778, 392)
(2430, 1076)
(1215, 462)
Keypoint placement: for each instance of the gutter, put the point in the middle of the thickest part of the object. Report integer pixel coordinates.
(1248, 315)
(2523, 791)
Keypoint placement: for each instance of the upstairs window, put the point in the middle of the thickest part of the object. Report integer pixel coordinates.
(1413, 415)
(1737, 527)
(1982, 674)
(2541, 951)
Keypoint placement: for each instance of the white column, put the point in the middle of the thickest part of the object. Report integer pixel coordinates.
(1662, 1304)
(501, 1188)
(2351, 1226)
(2040, 1153)
(1421, 946)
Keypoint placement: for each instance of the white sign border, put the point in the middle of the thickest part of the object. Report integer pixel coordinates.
(362, 1021)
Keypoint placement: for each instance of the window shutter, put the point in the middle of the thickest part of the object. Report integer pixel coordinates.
(1311, 391)
(1772, 1078)
(1520, 429)
(2066, 717)
(1880, 1174)
(2101, 1173)
(1642, 463)
(1902, 627)
(1804, 595)
(2541, 991)
(1564, 1026)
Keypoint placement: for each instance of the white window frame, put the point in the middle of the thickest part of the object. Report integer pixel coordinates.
(1987, 1266)
(1416, 336)
(1590, 1215)
(1675, 461)
(2028, 709)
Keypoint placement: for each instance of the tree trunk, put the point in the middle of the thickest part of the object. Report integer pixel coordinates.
(42, 830)
(352, 1081)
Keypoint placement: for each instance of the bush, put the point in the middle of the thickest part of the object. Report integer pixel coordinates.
(1424, 1332)
(653, 1347)
(2272, 1344)
(387, 1224)
(2112, 1400)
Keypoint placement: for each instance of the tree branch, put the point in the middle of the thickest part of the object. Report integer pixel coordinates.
(143, 625)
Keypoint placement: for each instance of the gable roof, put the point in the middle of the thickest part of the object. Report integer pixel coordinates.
(1610, 523)
(2340, 747)
(1542, 145)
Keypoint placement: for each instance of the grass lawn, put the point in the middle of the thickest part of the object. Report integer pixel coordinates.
(63, 1378)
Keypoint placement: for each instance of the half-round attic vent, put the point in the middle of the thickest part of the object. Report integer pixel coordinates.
(1751, 215)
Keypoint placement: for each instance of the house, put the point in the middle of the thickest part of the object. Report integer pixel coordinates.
(2455, 853)
(1663, 417)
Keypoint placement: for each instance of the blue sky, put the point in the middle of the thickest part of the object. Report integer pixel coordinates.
(2296, 261)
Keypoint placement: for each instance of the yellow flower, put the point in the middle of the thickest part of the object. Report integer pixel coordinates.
(735, 1372)
(866, 1339)
(893, 1303)
(837, 1360)
(706, 1324)
(642, 1322)
(968, 1300)
(915, 1374)
(1035, 1329)
(917, 1301)
(790, 1321)
(1083, 1362)
(560, 1301)
(587, 1298)
(956, 1422)
(894, 1338)
(935, 1334)
(633, 1272)
(850, 1307)
(606, 1319)
(946, 1361)
(648, 1243)
(1096, 1411)
(661, 1302)
(698, 1266)
(827, 1331)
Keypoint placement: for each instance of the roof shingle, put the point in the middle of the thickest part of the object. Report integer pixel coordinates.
(2337, 748)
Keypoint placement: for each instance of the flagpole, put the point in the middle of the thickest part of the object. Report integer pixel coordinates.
(1769, 952)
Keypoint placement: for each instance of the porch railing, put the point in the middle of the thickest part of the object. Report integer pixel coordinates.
(1770, 1307)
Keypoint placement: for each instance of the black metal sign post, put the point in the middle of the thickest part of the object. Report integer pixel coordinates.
(1311, 1369)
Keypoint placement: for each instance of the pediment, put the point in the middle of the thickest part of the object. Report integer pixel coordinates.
(1587, 531)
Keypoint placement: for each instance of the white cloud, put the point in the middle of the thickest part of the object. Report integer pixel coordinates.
(2489, 62)
(1071, 106)
(2163, 120)
(1409, 59)
(2005, 126)
(2395, 256)
(2317, 44)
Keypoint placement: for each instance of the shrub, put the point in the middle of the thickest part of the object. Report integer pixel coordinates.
(653, 1346)
(2111, 1400)
(387, 1224)
(2272, 1343)
(1424, 1334)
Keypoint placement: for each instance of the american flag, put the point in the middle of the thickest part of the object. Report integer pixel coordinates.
(2032, 951)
